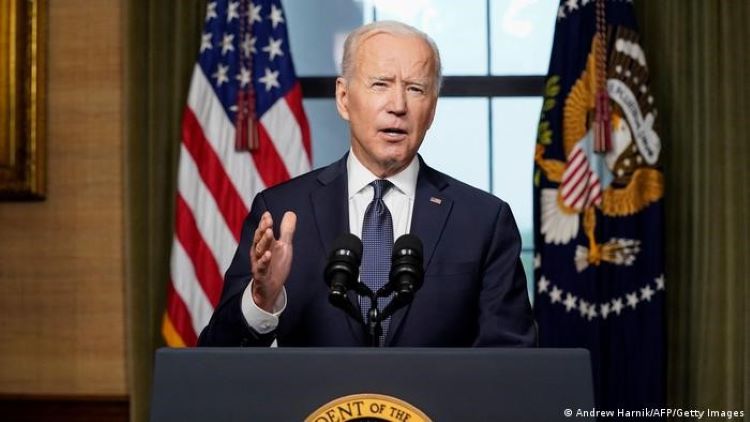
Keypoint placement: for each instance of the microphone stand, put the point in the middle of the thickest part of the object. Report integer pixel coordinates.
(375, 316)
(374, 327)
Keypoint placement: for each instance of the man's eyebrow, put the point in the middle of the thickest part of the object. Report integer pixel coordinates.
(386, 78)
(418, 81)
(424, 82)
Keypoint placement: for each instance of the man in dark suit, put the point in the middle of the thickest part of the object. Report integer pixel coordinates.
(474, 290)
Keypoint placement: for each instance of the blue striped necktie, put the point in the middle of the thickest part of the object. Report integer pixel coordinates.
(377, 242)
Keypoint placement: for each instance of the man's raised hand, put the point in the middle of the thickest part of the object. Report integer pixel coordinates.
(271, 259)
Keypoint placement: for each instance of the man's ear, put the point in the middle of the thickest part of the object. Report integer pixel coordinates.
(432, 113)
(342, 98)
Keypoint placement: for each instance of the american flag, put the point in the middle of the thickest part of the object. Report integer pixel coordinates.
(243, 130)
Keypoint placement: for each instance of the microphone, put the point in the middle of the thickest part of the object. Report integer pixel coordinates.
(407, 274)
(342, 271)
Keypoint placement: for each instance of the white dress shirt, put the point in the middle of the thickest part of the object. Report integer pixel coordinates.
(400, 202)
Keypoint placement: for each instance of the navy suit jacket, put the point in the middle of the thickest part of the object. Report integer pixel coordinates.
(474, 291)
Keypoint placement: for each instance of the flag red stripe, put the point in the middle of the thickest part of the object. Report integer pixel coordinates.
(294, 101)
(575, 156)
(206, 269)
(585, 189)
(574, 175)
(267, 160)
(581, 179)
(595, 190)
(180, 316)
(213, 174)
(580, 201)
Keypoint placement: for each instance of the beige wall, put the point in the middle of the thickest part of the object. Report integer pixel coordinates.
(61, 268)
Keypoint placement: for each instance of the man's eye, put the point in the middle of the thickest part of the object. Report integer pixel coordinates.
(378, 84)
(416, 89)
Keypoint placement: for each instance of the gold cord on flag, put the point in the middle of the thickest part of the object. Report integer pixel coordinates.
(246, 122)
(602, 125)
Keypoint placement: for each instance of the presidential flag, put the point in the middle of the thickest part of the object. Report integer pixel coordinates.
(598, 213)
(243, 130)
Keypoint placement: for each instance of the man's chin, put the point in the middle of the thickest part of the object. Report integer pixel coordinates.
(386, 160)
(394, 164)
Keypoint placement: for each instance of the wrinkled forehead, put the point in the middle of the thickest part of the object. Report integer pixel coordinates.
(409, 53)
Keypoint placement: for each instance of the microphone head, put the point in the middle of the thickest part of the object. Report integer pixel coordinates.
(347, 244)
(406, 275)
(406, 264)
(408, 244)
(342, 269)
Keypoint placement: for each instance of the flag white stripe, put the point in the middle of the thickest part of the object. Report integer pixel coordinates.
(211, 223)
(188, 288)
(595, 189)
(576, 157)
(575, 179)
(582, 197)
(570, 180)
(286, 135)
(577, 189)
(219, 131)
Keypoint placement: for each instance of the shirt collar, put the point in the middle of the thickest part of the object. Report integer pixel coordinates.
(359, 176)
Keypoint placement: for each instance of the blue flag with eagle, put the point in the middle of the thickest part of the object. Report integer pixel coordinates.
(598, 207)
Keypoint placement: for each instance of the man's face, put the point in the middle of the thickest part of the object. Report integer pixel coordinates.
(389, 101)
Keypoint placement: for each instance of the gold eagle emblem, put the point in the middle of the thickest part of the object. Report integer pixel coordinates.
(619, 182)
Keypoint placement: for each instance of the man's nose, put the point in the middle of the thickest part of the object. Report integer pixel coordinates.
(397, 101)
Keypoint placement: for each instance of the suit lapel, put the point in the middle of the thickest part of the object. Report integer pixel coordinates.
(430, 214)
(331, 210)
(329, 204)
(431, 210)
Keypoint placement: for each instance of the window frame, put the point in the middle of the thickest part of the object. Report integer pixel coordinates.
(453, 86)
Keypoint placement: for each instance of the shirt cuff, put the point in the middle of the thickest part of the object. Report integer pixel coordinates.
(258, 319)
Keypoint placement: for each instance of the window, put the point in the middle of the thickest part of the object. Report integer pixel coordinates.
(495, 55)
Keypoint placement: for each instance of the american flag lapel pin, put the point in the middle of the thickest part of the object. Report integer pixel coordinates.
(436, 200)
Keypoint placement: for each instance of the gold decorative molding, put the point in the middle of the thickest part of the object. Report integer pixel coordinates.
(22, 99)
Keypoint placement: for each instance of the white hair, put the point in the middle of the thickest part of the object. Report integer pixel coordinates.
(355, 38)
